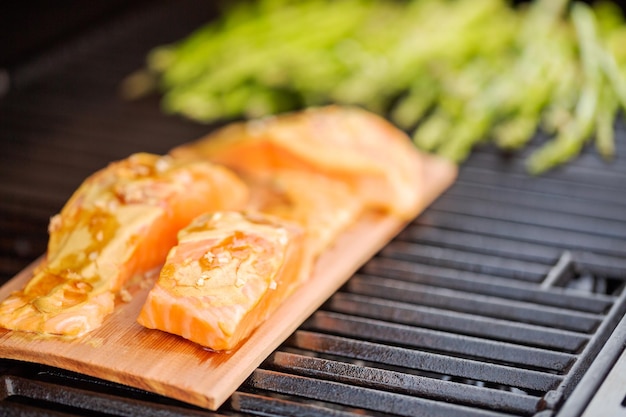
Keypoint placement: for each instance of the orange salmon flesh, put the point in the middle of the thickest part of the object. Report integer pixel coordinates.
(229, 272)
(235, 220)
(354, 146)
(120, 222)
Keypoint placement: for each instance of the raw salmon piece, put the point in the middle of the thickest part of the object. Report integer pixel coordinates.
(120, 222)
(229, 272)
(358, 147)
(323, 206)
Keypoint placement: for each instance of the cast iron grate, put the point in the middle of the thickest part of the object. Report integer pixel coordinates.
(497, 301)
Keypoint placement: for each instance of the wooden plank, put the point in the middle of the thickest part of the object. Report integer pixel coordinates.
(125, 352)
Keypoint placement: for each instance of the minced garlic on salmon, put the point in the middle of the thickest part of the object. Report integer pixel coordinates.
(120, 222)
(228, 273)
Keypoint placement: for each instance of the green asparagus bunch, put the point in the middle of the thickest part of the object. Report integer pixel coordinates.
(453, 73)
(595, 99)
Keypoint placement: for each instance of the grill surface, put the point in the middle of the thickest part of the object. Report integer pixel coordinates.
(496, 301)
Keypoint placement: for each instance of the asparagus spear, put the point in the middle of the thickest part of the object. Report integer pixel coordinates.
(605, 119)
(572, 137)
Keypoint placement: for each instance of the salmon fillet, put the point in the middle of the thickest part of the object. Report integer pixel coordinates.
(229, 272)
(120, 222)
(323, 206)
(377, 160)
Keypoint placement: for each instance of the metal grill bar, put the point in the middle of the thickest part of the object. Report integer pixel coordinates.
(607, 375)
(487, 285)
(402, 382)
(589, 353)
(428, 362)
(382, 401)
(536, 200)
(472, 325)
(493, 246)
(476, 304)
(511, 211)
(75, 400)
(455, 344)
(508, 248)
(588, 169)
(598, 192)
(468, 261)
(268, 405)
(563, 239)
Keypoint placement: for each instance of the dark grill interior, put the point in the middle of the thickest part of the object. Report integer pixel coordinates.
(497, 301)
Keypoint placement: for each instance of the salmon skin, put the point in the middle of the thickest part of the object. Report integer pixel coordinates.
(120, 222)
(229, 272)
(364, 151)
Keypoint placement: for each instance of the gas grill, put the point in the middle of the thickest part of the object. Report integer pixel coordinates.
(504, 298)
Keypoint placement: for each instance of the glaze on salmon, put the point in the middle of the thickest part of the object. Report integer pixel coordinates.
(229, 272)
(323, 206)
(120, 222)
(370, 155)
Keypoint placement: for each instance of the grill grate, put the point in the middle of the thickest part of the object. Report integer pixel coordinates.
(496, 301)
